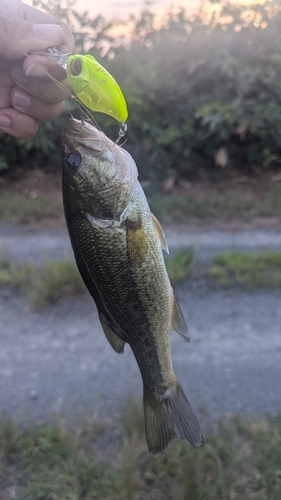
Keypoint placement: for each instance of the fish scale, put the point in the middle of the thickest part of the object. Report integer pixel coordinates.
(117, 246)
(96, 245)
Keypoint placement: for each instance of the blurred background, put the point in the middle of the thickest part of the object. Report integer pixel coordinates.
(202, 84)
(203, 88)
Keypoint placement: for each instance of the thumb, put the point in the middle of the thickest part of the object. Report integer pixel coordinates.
(18, 37)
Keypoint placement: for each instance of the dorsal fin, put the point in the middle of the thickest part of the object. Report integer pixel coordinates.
(177, 321)
(115, 341)
(160, 233)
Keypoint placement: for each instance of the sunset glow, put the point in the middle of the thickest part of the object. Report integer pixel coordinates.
(120, 9)
(123, 8)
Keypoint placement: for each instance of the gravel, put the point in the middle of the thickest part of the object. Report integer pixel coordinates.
(60, 360)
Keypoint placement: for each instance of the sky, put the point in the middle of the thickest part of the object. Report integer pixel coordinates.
(122, 8)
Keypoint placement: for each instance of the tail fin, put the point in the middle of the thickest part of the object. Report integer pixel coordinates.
(168, 418)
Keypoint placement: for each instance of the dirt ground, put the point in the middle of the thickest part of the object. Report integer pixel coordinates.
(47, 183)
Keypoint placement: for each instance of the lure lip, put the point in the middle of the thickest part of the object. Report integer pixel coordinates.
(54, 55)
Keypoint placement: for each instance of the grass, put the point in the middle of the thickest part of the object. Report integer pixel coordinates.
(248, 269)
(14, 275)
(52, 462)
(240, 460)
(180, 265)
(207, 204)
(215, 205)
(272, 203)
(20, 209)
(55, 280)
(45, 285)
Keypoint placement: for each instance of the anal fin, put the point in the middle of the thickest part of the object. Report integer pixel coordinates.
(177, 321)
(115, 341)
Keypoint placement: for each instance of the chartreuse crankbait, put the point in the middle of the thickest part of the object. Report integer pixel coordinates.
(95, 87)
(91, 83)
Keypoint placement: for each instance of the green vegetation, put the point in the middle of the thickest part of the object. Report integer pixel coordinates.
(13, 275)
(42, 149)
(54, 461)
(49, 283)
(20, 209)
(54, 281)
(180, 265)
(217, 201)
(215, 204)
(46, 284)
(250, 269)
(209, 98)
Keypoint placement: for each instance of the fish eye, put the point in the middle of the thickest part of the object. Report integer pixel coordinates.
(76, 67)
(74, 160)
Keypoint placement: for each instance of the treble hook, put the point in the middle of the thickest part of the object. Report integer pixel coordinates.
(122, 131)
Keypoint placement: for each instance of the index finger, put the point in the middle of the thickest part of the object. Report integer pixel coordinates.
(37, 16)
(42, 67)
(22, 12)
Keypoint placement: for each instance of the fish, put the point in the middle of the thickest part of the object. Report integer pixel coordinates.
(118, 246)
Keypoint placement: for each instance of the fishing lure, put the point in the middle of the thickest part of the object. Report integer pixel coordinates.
(95, 87)
(91, 83)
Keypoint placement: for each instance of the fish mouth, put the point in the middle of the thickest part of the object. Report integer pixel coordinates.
(84, 134)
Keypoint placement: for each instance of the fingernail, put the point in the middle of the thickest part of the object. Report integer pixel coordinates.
(35, 69)
(5, 121)
(21, 99)
(46, 31)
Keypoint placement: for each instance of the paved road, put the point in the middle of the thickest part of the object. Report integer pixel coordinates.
(60, 359)
(22, 244)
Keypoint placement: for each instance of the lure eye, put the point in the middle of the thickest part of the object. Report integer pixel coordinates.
(74, 160)
(76, 67)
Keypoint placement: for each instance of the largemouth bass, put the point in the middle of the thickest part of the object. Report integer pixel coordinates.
(117, 244)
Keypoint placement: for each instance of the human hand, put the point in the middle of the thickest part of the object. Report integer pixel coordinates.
(27, 94)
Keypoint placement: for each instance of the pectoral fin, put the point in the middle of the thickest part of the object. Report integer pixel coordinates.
(177, 321)
(136, 241)
(160, 233)
(112, 337)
